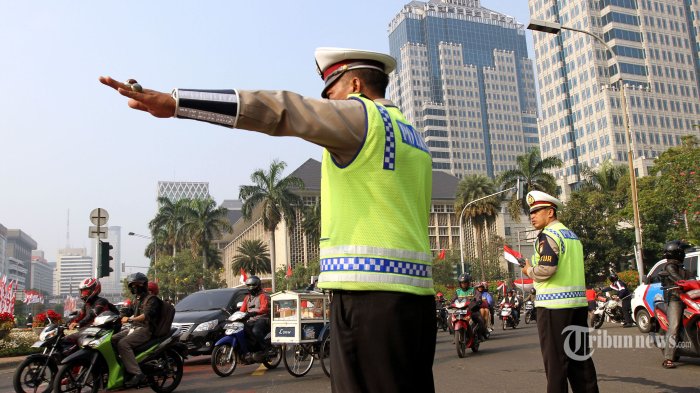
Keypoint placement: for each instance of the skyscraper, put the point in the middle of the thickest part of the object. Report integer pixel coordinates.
(656, 58)
(73, 266)
(464, 79)
(176, 190)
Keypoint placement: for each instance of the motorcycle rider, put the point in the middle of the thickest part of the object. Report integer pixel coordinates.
(514, 303)
(145, 311)
(93, 306)
(487, 305)
(467, 291)
(625, 295)
(674, 252)
(531, 298)
(440, 303)
(256, 305)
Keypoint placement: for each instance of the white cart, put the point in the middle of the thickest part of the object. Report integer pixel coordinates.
(301, 325)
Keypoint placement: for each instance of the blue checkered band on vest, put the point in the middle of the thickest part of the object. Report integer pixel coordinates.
(560, 295)
(375, 265)
(390, 144)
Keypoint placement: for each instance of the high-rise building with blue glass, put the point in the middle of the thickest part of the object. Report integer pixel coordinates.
(465, 80)
(656, 61)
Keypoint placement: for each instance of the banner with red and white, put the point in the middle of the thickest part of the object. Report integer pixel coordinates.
(69, 305)
(8, 294)
(31, 297)
(244, 276)
(511, 255)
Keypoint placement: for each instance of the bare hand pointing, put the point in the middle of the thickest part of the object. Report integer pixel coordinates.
(154, 102)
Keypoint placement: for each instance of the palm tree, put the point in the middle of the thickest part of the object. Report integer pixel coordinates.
(170, 218)
(311, 222)
(273, 194)
(481, 213)
(532, 174)
(253, 257)
(204, 222)
(604, 179)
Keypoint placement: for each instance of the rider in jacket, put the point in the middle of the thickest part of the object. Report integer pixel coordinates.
(514, 303)
(93, 306)
(466, 290)
(625, 295)
(256, 305)
(674, 252)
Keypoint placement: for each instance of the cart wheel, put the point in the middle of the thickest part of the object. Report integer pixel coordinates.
(298, 359)
(324, 356)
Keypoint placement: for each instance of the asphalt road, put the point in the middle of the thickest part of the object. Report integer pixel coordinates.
(509, 362)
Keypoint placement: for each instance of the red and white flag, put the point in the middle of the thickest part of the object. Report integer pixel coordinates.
(244, 276)
(289, 271)
(441, 255)
(511, 255)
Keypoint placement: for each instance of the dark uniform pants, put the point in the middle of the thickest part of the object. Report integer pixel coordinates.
(558, 366)
(673, 313)
(382, 342)
(125, 344)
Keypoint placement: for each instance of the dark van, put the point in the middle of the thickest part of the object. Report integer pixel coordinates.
(201, 316)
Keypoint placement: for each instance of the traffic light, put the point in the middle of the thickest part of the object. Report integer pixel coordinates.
(103, 268)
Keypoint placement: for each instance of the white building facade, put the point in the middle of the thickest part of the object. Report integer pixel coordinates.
(73, 266)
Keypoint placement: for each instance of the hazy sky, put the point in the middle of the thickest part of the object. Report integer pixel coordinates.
(69, 142)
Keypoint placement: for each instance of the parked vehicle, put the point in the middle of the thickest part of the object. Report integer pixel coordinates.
(233, 348)
(200, 317)
(441, 317)
(530, 311)
(507, 316)
(465, 329)
(643, 308)
(607, 306)
(688, 343)
(36, 372)
(97, 364)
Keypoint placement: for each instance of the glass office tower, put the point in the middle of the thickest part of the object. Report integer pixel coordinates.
(465, 81)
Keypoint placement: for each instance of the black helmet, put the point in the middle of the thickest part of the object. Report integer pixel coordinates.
(465, 277)
(137, 283)
(533, 290)
(613, 277)
(675, 249)
(254, 285)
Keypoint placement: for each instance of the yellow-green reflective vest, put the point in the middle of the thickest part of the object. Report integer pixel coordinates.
(374, 211)
(567, 287)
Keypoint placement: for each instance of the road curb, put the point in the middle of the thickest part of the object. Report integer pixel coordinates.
(10, 363)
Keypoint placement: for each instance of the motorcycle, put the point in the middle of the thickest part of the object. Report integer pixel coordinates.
(97, 362)
(530, 312)
(441, 317)
(465, 329)
(234, 348)
(610, 306)
(36, 372)
(507, 316)
(688, 339)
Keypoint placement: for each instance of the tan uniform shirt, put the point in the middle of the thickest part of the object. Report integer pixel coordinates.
(337, 125)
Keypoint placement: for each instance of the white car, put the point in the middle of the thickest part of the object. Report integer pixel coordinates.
(643, 297)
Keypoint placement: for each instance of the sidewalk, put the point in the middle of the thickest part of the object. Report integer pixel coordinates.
(11, 362)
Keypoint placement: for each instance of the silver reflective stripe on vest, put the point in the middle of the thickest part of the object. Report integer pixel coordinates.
(375, 251)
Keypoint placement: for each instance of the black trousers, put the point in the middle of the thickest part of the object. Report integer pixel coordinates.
(382, 342)
(561, 369)
(627, 309)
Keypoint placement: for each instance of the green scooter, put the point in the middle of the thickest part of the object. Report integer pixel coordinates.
(97, 365)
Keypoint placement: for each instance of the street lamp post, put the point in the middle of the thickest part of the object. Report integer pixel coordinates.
(461, 247)
(155, 253)
(556, 28)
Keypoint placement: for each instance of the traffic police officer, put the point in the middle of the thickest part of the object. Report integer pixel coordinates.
(376, 183)
(558, 273)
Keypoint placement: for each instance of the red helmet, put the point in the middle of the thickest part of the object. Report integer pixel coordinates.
(89, 289)
(127, 303)
(153, 288)
(439, 294)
